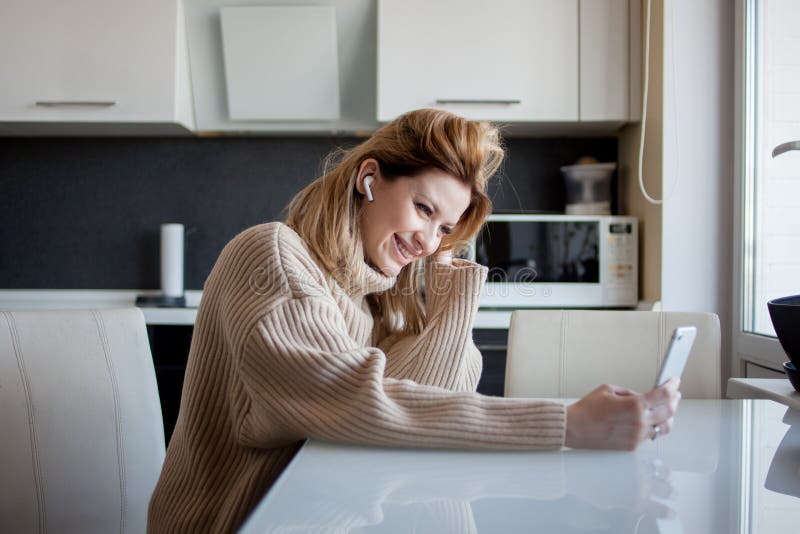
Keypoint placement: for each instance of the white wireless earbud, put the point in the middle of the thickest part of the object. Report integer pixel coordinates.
(367, 182)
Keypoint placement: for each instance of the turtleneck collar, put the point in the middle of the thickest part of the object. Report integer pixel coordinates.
(368, 281)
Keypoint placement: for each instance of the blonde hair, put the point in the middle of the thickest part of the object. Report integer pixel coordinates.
(326, 212)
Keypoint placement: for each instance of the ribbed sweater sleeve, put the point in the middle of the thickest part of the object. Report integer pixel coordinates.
(443, 354)
(302, 377)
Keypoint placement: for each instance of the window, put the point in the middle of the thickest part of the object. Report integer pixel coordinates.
(768, 215)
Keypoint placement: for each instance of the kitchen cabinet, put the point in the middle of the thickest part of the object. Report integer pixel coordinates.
(94, 66)
(169, 345)
(493, 344)
(506, 60)
(526, 61)
(609, 56)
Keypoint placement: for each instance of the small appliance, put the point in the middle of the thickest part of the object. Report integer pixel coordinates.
(558, 261)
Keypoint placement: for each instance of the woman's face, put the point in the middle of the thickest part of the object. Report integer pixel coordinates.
(408, 216)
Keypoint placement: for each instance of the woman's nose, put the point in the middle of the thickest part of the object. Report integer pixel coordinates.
(427, 240)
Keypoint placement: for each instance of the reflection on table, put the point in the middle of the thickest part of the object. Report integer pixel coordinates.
(727, 466)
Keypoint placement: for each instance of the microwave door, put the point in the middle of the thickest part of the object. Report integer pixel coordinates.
(558, 261)
(540, 252)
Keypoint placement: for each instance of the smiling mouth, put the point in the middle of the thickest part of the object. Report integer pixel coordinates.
(402, 249)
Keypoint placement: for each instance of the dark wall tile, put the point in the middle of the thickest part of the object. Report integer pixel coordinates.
(84, 213)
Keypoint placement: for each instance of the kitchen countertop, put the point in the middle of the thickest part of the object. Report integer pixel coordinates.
(24, 299)
(43, 299)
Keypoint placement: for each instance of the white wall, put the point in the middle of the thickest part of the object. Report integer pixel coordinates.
(698, 159)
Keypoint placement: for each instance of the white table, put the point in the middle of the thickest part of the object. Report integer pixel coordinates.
(728, 466)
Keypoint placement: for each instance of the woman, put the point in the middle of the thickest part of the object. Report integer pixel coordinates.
(317, 328)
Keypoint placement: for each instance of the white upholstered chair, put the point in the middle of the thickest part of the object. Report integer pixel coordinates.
(567, 353)
(82, 435)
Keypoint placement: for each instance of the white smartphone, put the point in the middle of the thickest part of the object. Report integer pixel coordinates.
(677, 353)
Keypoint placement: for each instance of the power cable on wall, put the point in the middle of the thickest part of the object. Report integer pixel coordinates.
(645, 92)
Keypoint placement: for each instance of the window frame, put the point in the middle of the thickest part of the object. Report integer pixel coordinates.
(747, 346)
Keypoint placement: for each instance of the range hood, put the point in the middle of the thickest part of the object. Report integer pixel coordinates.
(273, 67)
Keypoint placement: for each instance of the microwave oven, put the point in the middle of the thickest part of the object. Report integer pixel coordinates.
(558, 261)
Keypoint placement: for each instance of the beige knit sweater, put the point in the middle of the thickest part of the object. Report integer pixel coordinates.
(281, 353)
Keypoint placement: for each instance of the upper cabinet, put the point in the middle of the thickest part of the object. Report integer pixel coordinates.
(609, 57)
(516, 61)
(507, 60)
(115, 67)
(94, 67)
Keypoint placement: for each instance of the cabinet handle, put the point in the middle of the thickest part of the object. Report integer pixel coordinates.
(63, 103)
(490, 347)
(476, 101)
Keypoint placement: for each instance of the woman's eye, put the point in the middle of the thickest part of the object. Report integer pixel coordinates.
(424, 208)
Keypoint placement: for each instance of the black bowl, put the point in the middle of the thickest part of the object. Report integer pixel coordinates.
(785, 315)
(793, 374)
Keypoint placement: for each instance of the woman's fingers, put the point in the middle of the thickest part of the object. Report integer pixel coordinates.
(659, 414)
(662, 403)
(668, 388)
(611, 417)
(606, 419)
(622, 392)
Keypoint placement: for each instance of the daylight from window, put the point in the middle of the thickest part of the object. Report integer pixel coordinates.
(774, 202)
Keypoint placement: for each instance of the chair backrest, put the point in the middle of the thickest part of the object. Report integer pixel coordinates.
(567, 353)
(82, 435)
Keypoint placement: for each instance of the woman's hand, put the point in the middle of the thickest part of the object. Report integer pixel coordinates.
(616, 418)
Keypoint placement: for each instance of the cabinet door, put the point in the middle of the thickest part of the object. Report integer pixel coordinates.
(169, 345)
(604, 53)
(88, 60)
(506, 60)
(493, 345)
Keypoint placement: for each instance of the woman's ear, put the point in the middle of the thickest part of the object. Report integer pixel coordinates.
(368, 167)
